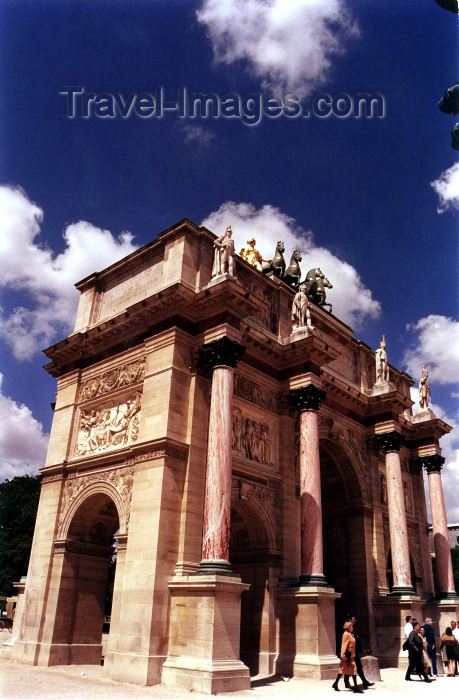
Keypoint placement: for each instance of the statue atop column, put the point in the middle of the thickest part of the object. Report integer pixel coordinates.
(382, 383)
(253, 256)
(382, 367)
(224, 254)
(424, 389)
(301, 314)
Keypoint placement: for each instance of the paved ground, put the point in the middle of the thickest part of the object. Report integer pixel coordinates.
(20, 682)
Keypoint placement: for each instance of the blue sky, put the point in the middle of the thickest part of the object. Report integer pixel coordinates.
(373, 201)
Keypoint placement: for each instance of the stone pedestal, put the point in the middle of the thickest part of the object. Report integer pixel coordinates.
(204, 635)
(390, 614)
(307, 643)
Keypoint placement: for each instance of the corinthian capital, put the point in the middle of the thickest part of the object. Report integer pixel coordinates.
(222, 351)
(307, 398)
(390, 442)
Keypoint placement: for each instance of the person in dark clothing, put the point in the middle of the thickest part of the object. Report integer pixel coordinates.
(358, 652)
(431, 647)
(415, 646)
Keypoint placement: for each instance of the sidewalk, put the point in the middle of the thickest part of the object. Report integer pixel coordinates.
(21, 682)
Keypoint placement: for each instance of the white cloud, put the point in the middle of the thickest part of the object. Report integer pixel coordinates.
(447, 188)
(195, 134)
(288, 44)
(436, 341)
(47, 280)
(23, 443)
(351, 301)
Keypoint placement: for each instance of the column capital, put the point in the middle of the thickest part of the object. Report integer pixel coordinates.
(223, 351)
(390, 442)
(432, 463)
(307, 398)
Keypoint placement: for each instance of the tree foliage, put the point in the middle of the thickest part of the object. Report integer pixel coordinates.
(18, 510)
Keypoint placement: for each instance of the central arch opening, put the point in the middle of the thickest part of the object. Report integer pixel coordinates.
(249, 558)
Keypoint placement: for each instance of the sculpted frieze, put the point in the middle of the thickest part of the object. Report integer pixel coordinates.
(108, 425)
(253, 392)
(251, 438)
(122, 376)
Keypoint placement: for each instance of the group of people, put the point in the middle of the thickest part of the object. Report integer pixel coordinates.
(421, 646)
(350, 661)
(422, 649)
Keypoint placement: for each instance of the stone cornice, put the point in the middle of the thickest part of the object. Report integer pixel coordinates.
(176, 300)
(124, 457)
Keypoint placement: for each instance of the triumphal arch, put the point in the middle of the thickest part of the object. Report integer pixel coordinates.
(259, 469)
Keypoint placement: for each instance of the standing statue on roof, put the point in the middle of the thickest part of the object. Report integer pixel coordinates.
(382, 366)
(224, 254)
(301, 315)
(424, 389)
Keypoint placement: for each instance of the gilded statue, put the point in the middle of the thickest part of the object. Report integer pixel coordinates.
(253, 256)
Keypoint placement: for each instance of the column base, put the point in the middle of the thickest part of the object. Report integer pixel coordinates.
(204, 634)
(312, 580)
(307, 632)
(208, 567)
(205, 676)
(399, 591)
(390, 618)
(449, 595)
(141, 669)
(45, 654)
(442, 612)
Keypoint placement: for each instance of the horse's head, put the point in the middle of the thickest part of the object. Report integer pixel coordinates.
(296, 255)
(327, 283)
(280, 248)
(318, 273)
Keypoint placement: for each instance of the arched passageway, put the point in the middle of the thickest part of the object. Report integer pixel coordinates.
(249, 557)
(345, 563)
(86, 557)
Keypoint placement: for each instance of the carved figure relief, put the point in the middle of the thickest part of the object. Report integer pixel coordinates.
(407, 496)
(109, 425)
(125, 375)
(253, 392)
(251, 438)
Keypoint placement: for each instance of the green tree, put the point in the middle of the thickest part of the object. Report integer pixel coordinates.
(18, 510)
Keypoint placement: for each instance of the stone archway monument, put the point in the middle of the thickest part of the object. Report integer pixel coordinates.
(185, 390)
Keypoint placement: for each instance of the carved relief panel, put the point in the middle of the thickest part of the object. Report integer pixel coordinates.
(252, 438)
(108, 416)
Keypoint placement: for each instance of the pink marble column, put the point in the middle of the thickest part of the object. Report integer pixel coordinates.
(222, 356)
(391, 443)
(307, 400)
(433, 465)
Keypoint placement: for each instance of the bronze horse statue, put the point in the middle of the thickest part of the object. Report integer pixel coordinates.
(315, 287)
(277, 264)
(292, 274)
